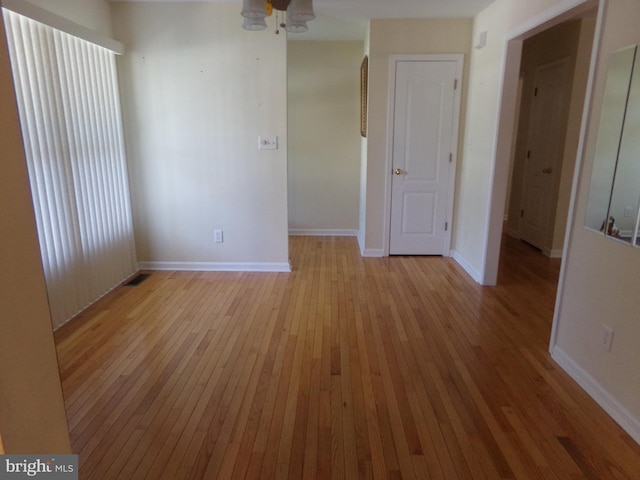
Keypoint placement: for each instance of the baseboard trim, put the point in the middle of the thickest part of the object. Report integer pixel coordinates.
(555, 254)
(373, 253)
(216, 266)
(466, 266)
(608, 403)
(321, 232)
(361, 243)
(513, 233)
(368, 252)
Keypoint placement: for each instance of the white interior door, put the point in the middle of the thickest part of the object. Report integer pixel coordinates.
(545, 147)
(425, 118)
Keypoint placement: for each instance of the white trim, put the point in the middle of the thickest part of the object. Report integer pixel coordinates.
(473, 273)
(216, 266)
(455, 133)
(373, 253)
(609, 404)
(321, 232)
(361, 242)
(553, 14)
(60, 23)
(499, 171)
(553, 253)
(391, 94)
(571, 214)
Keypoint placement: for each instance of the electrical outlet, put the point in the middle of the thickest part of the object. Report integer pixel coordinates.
(217, 236)
(628, 211)
(607, 337)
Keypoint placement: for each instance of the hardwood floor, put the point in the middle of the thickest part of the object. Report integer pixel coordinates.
(346, 368)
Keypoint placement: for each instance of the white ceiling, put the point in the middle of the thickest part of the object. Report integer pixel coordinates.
(346, 19)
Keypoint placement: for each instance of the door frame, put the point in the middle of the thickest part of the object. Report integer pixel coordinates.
(455, 133)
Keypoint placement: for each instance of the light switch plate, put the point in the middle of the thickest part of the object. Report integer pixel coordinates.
(267, 143)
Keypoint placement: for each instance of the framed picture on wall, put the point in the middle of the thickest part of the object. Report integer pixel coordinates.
(364, 74)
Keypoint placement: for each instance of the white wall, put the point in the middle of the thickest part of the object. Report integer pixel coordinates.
(324, 135)
(387, 37)
(600, 282)
(476, 166)
(32, 415)
(197, 91)
(92, 14)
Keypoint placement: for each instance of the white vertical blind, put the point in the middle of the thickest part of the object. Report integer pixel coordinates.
(71, 125)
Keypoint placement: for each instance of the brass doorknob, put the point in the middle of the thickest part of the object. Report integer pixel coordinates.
(398, 171)
(547, 170)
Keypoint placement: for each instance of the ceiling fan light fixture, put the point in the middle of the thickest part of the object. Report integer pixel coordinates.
(301, 11)
(254, 24)
(296, 27)
(298, 13)
(252, 9)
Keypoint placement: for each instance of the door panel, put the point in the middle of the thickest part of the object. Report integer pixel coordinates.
(545, 145)
(423, 126)
(419, 209)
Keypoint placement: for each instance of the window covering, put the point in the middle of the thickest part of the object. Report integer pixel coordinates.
(69, 108)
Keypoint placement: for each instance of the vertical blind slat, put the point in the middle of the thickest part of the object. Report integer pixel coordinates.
(70, 116)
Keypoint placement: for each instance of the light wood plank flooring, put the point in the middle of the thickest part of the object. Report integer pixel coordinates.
(346, 368)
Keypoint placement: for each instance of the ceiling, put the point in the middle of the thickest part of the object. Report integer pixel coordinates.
(347, 19)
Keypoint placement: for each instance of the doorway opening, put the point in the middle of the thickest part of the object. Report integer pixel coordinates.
(552, 88)
(585, 12)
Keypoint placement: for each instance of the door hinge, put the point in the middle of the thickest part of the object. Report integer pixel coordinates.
(535, 92)
(446, 226)
(521, 213)
(455, 84)
(528, 153)
(451, 158)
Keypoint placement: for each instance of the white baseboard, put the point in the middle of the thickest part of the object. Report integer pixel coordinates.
(216, 266)
(513, 233)
(467, 266)
(361, 243)
(555, 254)
(368, 252)
(609, 404)
(552, 253)
(321, 232)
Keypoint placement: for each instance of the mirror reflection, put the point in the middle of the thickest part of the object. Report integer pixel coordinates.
(614, 199)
